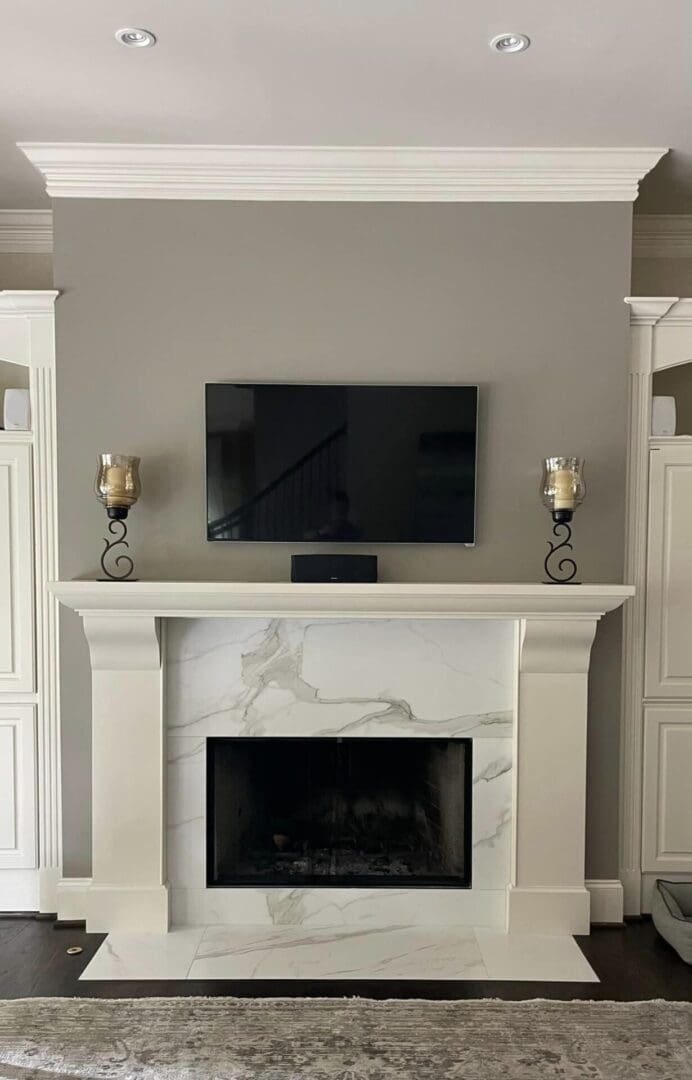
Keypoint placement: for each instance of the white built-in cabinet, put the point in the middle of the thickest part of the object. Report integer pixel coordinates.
(30, 825)
(667, 727)
(655, 777)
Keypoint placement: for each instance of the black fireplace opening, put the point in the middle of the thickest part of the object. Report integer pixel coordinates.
(339, 812)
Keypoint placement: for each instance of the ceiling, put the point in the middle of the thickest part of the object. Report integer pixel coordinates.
(350, 72)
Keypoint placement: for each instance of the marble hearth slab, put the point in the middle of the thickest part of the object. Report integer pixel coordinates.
(288, 952)
(533, 957)
(146, 956)
(293, 953)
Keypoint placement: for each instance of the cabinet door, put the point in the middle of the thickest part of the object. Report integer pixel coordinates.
(17, 786)
(16, 570)
(668, 672)
(667, 837)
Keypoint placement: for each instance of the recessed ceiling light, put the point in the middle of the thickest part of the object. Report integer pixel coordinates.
(510, 43)
(135, 38)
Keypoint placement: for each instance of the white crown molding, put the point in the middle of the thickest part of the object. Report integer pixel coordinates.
(342, 173)
(27, 302)
(662, 236)
(666, 311)
(26, 232)
(648, 310)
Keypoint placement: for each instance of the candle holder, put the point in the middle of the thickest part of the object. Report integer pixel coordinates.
(562, 490)
(117, 487)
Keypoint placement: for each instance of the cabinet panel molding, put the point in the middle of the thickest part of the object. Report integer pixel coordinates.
(16, 570)
(667, 825)
(17, 786)
(668, 669)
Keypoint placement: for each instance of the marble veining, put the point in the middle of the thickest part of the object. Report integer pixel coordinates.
(295, 677)
(385, 952)
(283, 677)
(376, 953)
(491, 815)
(335, 907)
(146, 956)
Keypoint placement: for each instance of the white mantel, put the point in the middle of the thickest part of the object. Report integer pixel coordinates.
(199, 599)
(129, 889)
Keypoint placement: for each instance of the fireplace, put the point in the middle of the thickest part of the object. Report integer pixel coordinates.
(347, 812)
(503, 665)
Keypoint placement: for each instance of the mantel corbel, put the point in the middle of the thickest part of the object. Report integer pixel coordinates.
(123, 642)
(556, 646)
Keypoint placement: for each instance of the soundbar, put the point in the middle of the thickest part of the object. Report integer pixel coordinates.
(343, 568)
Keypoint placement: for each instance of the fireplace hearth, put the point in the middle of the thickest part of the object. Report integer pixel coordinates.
(339, 812)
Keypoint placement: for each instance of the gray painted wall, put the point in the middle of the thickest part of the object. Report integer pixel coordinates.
(662, 277)
(526, 300)
(21, 271)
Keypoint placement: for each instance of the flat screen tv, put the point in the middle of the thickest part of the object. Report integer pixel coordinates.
(344, 464)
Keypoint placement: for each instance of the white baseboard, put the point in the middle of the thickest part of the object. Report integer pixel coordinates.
(607, 902)
(632, 888)
(72, 898)
(48, 878)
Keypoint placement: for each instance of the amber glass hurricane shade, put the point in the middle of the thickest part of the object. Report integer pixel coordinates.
(562, 487)
(117, 484)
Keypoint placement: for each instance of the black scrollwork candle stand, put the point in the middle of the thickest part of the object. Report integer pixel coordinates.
(564, 567)
(123, 566)
(562, 491)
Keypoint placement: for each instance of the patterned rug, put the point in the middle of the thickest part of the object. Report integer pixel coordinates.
(346, 1039)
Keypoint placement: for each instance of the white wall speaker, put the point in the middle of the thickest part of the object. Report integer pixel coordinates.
(17, 411)
(663, 415)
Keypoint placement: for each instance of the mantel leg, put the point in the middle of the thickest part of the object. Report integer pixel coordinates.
(547, 893)
(128, 890)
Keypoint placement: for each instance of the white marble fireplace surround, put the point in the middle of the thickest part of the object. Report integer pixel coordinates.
(391, 678)
(429, 674)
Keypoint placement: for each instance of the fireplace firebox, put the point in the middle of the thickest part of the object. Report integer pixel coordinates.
(339, 812)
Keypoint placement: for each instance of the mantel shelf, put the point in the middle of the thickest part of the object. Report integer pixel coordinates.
(198, 599)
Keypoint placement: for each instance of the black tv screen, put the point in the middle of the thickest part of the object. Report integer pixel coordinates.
(344, 464)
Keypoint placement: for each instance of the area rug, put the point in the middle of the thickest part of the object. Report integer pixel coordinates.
(342, 1039)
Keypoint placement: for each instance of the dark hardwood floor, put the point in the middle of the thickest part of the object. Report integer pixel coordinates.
(633, 963)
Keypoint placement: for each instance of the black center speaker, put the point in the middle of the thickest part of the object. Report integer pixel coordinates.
(353, 568)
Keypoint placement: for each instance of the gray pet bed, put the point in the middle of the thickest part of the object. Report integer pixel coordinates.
(671, 910)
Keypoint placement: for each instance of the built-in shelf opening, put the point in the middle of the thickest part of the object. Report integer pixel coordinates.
(676, 382)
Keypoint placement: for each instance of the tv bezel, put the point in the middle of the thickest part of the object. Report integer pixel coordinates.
(320, 544)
